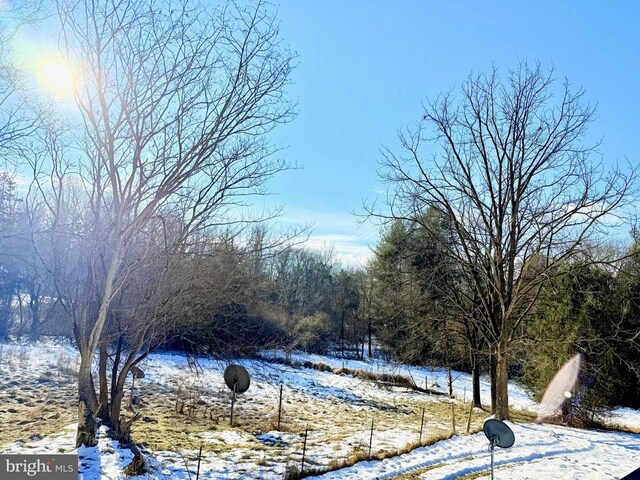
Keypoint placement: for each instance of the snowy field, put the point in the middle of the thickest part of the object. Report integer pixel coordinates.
(37, 413)
(431, 377)
(540, 452)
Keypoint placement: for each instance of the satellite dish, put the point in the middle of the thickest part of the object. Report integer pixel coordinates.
(499, 434)
(237, 378)
(136, 372)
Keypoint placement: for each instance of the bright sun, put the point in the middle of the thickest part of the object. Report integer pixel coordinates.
(57, 76)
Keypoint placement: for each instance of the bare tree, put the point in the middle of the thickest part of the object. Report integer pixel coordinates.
(176, 102)
(507, 164)
(16, 122)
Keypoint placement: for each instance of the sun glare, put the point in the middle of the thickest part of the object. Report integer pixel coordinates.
(56, 76)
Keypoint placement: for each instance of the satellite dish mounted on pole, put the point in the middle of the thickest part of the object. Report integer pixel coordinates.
(499, 435)
(136, 372)
(237, 379)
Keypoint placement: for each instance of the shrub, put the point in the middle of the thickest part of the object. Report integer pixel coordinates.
(313, 332)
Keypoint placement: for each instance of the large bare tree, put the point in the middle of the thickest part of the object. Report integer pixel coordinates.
(506, 161)
(175, 102)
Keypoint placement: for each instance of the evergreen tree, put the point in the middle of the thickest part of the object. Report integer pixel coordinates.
(587, 309)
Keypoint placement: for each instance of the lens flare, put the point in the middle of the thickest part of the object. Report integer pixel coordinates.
(560, 388)
(57, 76)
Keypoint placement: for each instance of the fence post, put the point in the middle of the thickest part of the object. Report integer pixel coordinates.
(371, 437)
(453, 418)
(199, 457)
(280, 407)
(304, 449)
(421, 426)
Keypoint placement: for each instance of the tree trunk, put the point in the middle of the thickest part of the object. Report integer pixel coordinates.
(494, 380)
(88, 344)
(103, 401)
(502, 385)
(475, 376)
(355, 332)
(114, 411)
(369, 329)
(34, 305)
(114, 369)
(87, 404)
(342, 335)
(121, 428)
(5, 316)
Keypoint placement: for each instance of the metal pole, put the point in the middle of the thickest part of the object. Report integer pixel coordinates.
(233, 401)
(199, 457)
(371, 438)
(492, 447)
(421, 426)
(304, 449)
(280, 408)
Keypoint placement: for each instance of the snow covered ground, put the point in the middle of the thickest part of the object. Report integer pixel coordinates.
(433, 377)
(540, 452)
(336, 409)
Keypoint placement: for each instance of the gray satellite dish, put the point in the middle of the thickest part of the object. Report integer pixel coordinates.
(136, 372)
(499, 435)
(237, 379)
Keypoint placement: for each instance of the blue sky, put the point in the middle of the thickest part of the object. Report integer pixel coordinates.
(366, 67)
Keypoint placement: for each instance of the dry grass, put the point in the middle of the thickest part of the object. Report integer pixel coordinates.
(31, 405)
(292, 473)
(623, 428)
(522, 416)
(597, 423)
(480, 474)
(29, 411)
(67, 365)
(361, 454)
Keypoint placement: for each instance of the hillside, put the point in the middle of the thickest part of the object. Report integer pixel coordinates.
(37, 390)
